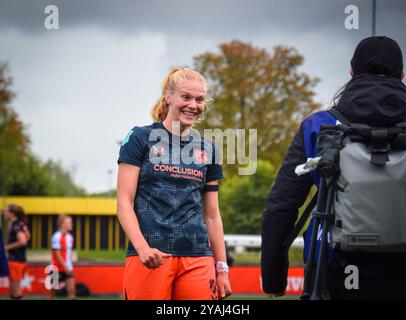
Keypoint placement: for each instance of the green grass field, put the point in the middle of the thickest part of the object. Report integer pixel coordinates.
(118, 256)
(246, 258)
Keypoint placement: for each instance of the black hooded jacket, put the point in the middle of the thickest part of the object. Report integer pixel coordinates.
(371, 99)
(374, 100)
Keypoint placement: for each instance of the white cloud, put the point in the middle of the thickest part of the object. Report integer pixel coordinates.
(81, 90)
(83, 87)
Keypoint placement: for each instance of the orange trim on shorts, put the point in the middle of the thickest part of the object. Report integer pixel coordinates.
(17, 270)
(179, 278)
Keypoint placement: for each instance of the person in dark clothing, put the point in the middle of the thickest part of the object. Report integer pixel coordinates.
(3, 258)
(18, 238)
(375, 96)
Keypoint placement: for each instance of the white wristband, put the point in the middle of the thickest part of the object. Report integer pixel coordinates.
(221, 266)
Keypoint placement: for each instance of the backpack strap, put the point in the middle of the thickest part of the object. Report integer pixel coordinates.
(339, 116)
(379, 147)
(300, 224)
(379, 138)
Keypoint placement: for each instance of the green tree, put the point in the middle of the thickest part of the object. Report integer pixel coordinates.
(243, 198)
(14, 141)
(60, 181)
(28, 177)
(255, 89)
(21, 172)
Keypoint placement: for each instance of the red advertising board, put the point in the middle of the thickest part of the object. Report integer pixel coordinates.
(107, 279)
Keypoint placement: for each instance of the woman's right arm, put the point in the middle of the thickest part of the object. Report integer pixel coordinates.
(126, 189)
(21, 242)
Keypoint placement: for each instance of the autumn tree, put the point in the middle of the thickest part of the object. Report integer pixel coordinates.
(255, 89)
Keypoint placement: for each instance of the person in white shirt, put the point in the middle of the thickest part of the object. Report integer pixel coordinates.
(61, 246)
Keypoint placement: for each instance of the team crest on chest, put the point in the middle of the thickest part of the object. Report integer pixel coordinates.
(158, 151)
(200, 156)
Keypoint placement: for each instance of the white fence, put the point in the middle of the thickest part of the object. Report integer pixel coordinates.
(240, 242)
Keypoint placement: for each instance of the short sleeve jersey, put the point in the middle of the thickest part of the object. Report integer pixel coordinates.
(63, 242)
(18, 254)
(168, 201)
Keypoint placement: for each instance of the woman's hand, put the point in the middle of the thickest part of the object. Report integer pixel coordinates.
(223, 285)
(152, 258)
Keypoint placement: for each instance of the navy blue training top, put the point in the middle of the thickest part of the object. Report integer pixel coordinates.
(18, 254)
(168, 201)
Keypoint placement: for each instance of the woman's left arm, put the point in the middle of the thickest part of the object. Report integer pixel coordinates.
(214, 224)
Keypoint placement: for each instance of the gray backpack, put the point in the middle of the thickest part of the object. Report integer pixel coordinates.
(360, 205)
(369, 205)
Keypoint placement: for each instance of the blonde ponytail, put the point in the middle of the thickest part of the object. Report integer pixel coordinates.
(160, 109)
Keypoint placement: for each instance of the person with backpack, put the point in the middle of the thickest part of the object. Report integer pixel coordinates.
(375, 97)
(18, 237)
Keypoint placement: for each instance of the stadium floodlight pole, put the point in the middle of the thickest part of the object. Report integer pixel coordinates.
(373, 17)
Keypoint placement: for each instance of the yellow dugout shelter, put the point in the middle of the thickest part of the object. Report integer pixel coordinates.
(95, 224)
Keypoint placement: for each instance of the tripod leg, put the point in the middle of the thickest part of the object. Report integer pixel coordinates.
(325, 292)
(310, 265)
(322, 262)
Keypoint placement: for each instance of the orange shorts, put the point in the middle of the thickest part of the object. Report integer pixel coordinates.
(17, 270)
(179, 278)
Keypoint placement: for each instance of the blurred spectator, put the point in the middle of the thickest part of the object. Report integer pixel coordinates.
(61, 246)
(3, 258)
(18, 238)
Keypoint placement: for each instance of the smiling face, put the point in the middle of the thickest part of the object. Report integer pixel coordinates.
(186, 102)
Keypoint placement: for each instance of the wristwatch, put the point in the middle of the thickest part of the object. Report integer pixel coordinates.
(221, 266)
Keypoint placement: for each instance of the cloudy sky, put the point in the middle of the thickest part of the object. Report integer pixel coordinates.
(82, 87)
